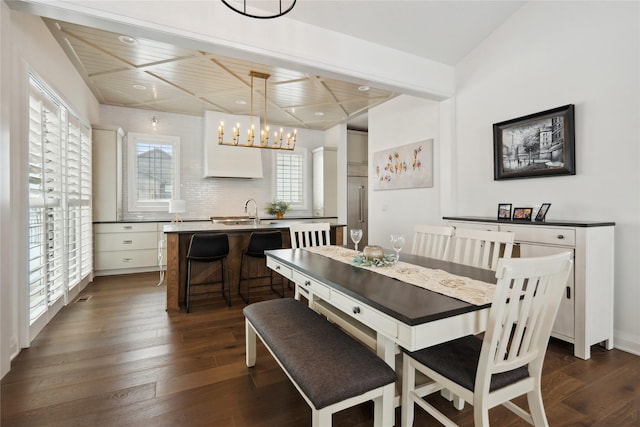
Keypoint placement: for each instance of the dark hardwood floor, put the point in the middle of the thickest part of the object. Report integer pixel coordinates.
(118, 359)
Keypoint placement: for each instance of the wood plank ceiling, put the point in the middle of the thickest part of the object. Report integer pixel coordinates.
(147, 74)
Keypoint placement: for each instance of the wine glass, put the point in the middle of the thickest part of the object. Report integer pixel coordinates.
(397, 241)
(356, 236)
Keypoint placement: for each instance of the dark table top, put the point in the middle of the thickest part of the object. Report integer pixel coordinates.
(410, 304)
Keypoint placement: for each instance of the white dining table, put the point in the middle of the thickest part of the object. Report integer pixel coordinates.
(398, 313)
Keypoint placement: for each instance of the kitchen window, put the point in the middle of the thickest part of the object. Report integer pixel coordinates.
(154, 171)
(291, 178)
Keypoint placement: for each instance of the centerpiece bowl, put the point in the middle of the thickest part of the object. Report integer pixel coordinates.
(373, 252)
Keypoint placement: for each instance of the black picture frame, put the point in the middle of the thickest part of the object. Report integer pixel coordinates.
(537, 145)
(522, 214)
(504, 211)
(542, 212)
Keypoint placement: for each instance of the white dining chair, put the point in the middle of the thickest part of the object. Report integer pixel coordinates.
(304, 235)
(432, 241)
(507, 361)
(481, 248)
(478, 248)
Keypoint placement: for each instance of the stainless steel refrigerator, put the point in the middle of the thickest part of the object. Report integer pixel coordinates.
(357, 206)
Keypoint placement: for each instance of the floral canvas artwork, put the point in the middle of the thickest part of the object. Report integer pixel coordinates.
(407, 166)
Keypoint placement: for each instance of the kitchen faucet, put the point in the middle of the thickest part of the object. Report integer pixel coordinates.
(255, 205)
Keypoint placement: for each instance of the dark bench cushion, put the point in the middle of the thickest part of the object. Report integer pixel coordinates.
(327, 364)
(458, 361)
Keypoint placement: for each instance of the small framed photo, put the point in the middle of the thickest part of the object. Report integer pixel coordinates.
(543, 211)
(522, 214)
(504, 211)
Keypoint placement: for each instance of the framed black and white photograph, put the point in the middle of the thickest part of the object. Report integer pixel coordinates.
(522, 214)
(504, 211)
(537, 145)
(542, 212)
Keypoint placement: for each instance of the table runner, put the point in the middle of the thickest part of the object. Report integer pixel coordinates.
(463, 288)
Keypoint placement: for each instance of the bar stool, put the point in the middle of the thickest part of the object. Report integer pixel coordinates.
(208, 248)
(258, 243)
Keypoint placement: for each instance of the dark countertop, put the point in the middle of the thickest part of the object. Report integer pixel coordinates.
(410, 304)
(556, 223)
(266, 218)
(210, 226)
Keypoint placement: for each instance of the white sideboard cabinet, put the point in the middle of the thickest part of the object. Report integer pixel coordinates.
(585, 316)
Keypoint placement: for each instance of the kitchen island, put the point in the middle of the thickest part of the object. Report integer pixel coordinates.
(178, 237)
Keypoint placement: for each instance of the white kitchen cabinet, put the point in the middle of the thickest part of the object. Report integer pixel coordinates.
(357, 147)
(585, 316)
(107, 173)
(122, 247)
(325, 181)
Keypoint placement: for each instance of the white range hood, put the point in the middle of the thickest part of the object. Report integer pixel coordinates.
(223, 161)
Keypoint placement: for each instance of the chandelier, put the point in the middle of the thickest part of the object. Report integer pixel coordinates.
(280, 140)
(267, 14)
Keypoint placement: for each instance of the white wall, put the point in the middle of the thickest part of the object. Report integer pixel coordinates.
(403, 120)
(548, 55)
(26, 44)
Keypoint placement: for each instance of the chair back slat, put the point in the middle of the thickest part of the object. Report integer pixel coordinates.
(310, 234)
(432, 241)
(481, 248)
(526, 300)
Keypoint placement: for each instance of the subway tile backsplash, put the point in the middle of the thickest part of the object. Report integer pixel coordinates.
(204, 197)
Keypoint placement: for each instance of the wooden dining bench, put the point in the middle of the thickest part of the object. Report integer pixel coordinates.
(330, 369)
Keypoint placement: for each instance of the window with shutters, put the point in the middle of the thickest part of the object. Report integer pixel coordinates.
(291, 174)
(154, 171)
(59, 185)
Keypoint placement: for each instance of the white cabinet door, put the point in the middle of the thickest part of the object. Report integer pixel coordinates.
(563, 327)
(107, 173)
(325, 181)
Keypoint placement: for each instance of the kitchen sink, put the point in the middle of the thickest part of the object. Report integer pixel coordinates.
(232, 220)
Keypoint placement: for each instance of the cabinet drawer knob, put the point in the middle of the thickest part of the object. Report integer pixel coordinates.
(277, 267)
(356, 310)
(127, 242)
(127, 259)
(307, 283)
(128, 227)
(560, 236)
